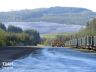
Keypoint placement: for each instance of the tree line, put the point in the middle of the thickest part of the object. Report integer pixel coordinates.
(89, 30)
(15, 36)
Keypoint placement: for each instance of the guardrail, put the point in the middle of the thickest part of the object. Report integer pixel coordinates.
(88, 42)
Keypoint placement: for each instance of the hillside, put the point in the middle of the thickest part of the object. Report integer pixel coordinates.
(65, 15)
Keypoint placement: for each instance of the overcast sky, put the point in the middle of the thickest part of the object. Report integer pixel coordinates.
(7, 5)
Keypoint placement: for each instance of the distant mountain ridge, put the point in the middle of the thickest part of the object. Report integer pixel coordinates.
(64, 15)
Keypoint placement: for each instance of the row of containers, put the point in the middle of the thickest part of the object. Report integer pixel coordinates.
(83, 42)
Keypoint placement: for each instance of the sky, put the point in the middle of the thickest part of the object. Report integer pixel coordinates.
(13, 5)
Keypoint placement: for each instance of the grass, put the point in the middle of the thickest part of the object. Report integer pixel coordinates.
(49, 36)
(54, 35)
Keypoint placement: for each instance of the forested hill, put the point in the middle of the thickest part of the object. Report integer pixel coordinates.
(65, 15)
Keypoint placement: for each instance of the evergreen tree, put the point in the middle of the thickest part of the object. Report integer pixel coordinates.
(14, 29)
(2, 26)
